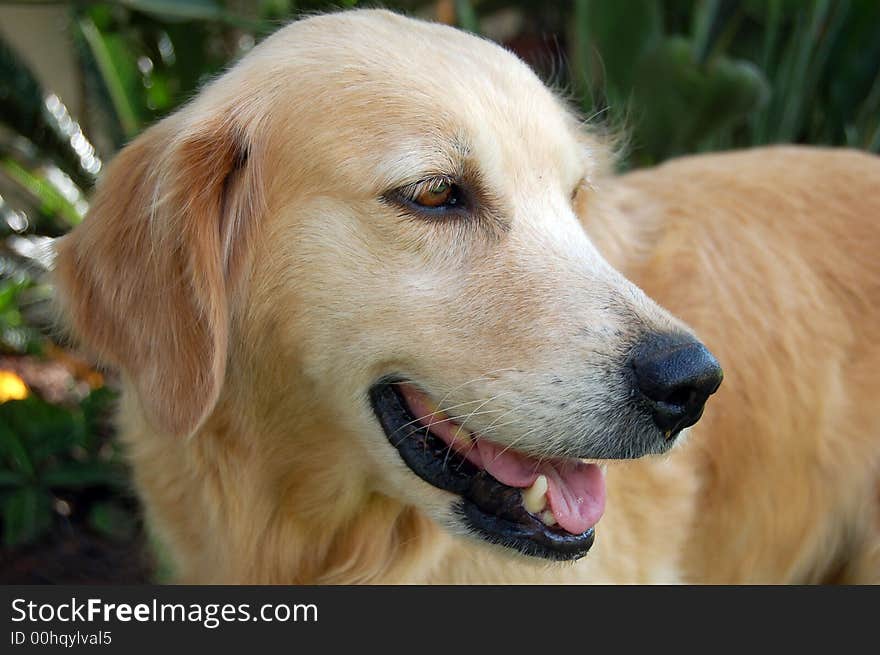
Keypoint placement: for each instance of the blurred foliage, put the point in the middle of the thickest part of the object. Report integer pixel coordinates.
(696, 76)
(15, 333)
(676, 76)
(53, 460)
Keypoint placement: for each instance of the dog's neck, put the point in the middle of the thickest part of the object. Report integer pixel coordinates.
(270, 493)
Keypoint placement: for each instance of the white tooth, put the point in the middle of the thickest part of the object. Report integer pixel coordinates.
(535, 497)
(547, 518)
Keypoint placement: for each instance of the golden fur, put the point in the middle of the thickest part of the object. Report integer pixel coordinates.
(240, 268)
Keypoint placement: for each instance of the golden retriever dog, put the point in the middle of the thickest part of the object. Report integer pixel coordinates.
(383, 314)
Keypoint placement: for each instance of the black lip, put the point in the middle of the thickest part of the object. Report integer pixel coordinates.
(491, 509)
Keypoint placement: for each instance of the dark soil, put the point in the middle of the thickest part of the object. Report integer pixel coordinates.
(75, 555)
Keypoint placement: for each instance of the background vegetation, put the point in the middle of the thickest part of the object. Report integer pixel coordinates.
(679, 76)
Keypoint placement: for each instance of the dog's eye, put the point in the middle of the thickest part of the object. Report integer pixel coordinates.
(436, 193)
(437, 197)
(433, 196)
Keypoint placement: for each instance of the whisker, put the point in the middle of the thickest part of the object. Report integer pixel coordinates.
(461, 426)
(517, 440)
(489, 428)
(484, 376)
(446, 420)
(419, 419)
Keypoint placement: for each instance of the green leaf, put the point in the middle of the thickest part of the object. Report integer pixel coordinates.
(11, 446)
(808, 52)
(51, 202)
(683, 103)
(97, 409)
(27, 514)
(466, 16)
(180, 9)
(192, 11)
(275, 9)
(772, 29)
(79, 475)
(44, 430)
(705, 17)
(11, 479)
(113, 520)
(9, 291)
(118, 68)
(610, 39)
(852, 75)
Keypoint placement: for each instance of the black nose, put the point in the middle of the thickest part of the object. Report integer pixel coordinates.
(675, 374)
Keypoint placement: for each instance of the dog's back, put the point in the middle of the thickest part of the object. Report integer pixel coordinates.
(773, 256)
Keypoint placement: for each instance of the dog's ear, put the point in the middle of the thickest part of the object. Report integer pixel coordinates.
(145, 281)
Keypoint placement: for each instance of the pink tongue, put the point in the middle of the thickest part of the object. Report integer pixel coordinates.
(576, 491)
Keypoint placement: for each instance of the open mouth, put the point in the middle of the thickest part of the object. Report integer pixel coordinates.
(542, 507)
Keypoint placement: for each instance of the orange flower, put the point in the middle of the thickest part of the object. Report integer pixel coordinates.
(12, 387)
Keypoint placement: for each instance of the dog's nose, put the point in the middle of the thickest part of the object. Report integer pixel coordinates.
(675, 374)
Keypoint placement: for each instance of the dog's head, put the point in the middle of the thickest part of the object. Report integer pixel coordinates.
(375, 220)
